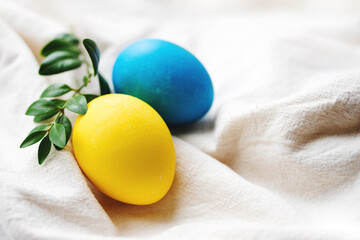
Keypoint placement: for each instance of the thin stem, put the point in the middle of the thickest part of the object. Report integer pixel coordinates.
(59, 115)
(89, 75)
(77, 91)
(88, 66)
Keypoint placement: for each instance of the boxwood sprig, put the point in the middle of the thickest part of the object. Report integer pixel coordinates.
(60, 55)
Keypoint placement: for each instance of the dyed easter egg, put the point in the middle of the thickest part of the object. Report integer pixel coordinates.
(167, 77)
(125, 149)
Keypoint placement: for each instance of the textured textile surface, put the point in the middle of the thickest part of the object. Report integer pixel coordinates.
(277, 157)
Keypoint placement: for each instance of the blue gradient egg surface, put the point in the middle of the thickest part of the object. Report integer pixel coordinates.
(167, 77)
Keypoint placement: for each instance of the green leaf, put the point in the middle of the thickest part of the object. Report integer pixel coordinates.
(35, 135)
(40, 128)
(58, 135)
(86, 80)
(77, 104)
(59, 45)
(104, 86)
(56, 90)
(58, 62)
(44, 149)
(67, 125)
(32, 138)
(43, 117)
(59, 102)
(40, 107)
(93, 52)
(68, 37)
(90, 97)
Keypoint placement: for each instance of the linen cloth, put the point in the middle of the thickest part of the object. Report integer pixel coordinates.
(277, 156)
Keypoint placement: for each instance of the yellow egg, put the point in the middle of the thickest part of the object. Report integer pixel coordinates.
(125, 149)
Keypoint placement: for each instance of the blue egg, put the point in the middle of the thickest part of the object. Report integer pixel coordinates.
(167, 77)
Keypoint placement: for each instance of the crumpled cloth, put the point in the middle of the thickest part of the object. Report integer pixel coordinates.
(277, 157)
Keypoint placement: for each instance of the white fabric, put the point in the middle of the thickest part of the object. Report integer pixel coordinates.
(277, 157)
